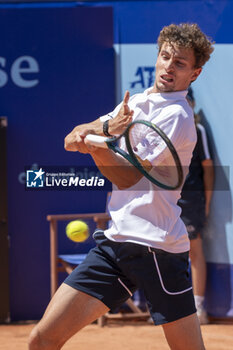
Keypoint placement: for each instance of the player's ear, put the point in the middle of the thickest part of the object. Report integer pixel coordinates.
(196, 73)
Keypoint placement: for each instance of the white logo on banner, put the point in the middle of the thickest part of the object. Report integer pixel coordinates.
(18, 71)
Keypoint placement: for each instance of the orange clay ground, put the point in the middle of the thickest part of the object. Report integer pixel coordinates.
(117, 336)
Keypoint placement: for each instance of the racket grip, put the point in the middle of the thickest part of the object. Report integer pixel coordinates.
(97, 140)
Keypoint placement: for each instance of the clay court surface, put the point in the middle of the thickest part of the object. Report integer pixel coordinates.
(118, 336)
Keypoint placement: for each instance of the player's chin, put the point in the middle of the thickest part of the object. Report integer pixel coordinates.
(165, 87)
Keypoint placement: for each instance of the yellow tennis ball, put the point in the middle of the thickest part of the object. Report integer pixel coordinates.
(77, 231)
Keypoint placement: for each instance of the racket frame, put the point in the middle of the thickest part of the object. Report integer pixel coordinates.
(169, 145)
(131, 157)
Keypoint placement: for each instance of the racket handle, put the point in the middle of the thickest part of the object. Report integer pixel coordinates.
(97, 140)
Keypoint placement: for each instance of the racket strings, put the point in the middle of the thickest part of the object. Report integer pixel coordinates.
(153, 154)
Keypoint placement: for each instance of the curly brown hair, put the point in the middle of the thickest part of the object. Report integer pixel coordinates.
(188, 35)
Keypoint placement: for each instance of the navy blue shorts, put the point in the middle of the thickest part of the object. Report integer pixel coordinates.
(113, 271)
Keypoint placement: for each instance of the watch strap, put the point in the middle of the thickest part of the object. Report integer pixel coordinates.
(105, 128)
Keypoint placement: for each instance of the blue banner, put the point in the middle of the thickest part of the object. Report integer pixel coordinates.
(56, 71)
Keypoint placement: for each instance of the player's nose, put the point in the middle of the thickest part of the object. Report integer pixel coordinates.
(169, 66)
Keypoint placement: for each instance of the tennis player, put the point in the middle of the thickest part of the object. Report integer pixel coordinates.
(147, 244)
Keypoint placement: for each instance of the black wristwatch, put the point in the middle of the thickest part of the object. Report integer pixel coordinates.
(105, 129)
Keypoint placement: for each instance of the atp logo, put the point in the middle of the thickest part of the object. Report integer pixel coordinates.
(145, 77)
(35, 178)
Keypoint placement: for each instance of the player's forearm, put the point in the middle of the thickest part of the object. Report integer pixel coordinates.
(115, 168)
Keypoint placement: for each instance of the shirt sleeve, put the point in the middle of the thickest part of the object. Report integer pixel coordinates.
(110, 115)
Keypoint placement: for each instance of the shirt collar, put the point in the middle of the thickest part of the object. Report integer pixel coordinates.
(157, 96)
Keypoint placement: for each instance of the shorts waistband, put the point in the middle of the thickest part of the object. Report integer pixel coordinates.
(161, 251)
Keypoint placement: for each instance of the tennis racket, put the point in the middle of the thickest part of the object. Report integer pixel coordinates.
(148, 148)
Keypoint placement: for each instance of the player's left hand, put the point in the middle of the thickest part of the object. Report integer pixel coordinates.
(75, 141)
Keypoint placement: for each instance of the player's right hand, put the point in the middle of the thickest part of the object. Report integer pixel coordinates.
(124, 117)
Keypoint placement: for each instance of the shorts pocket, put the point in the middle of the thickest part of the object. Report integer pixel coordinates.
(173, 272)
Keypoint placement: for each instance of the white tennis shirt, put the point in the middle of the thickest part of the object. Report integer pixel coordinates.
(144, 213)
